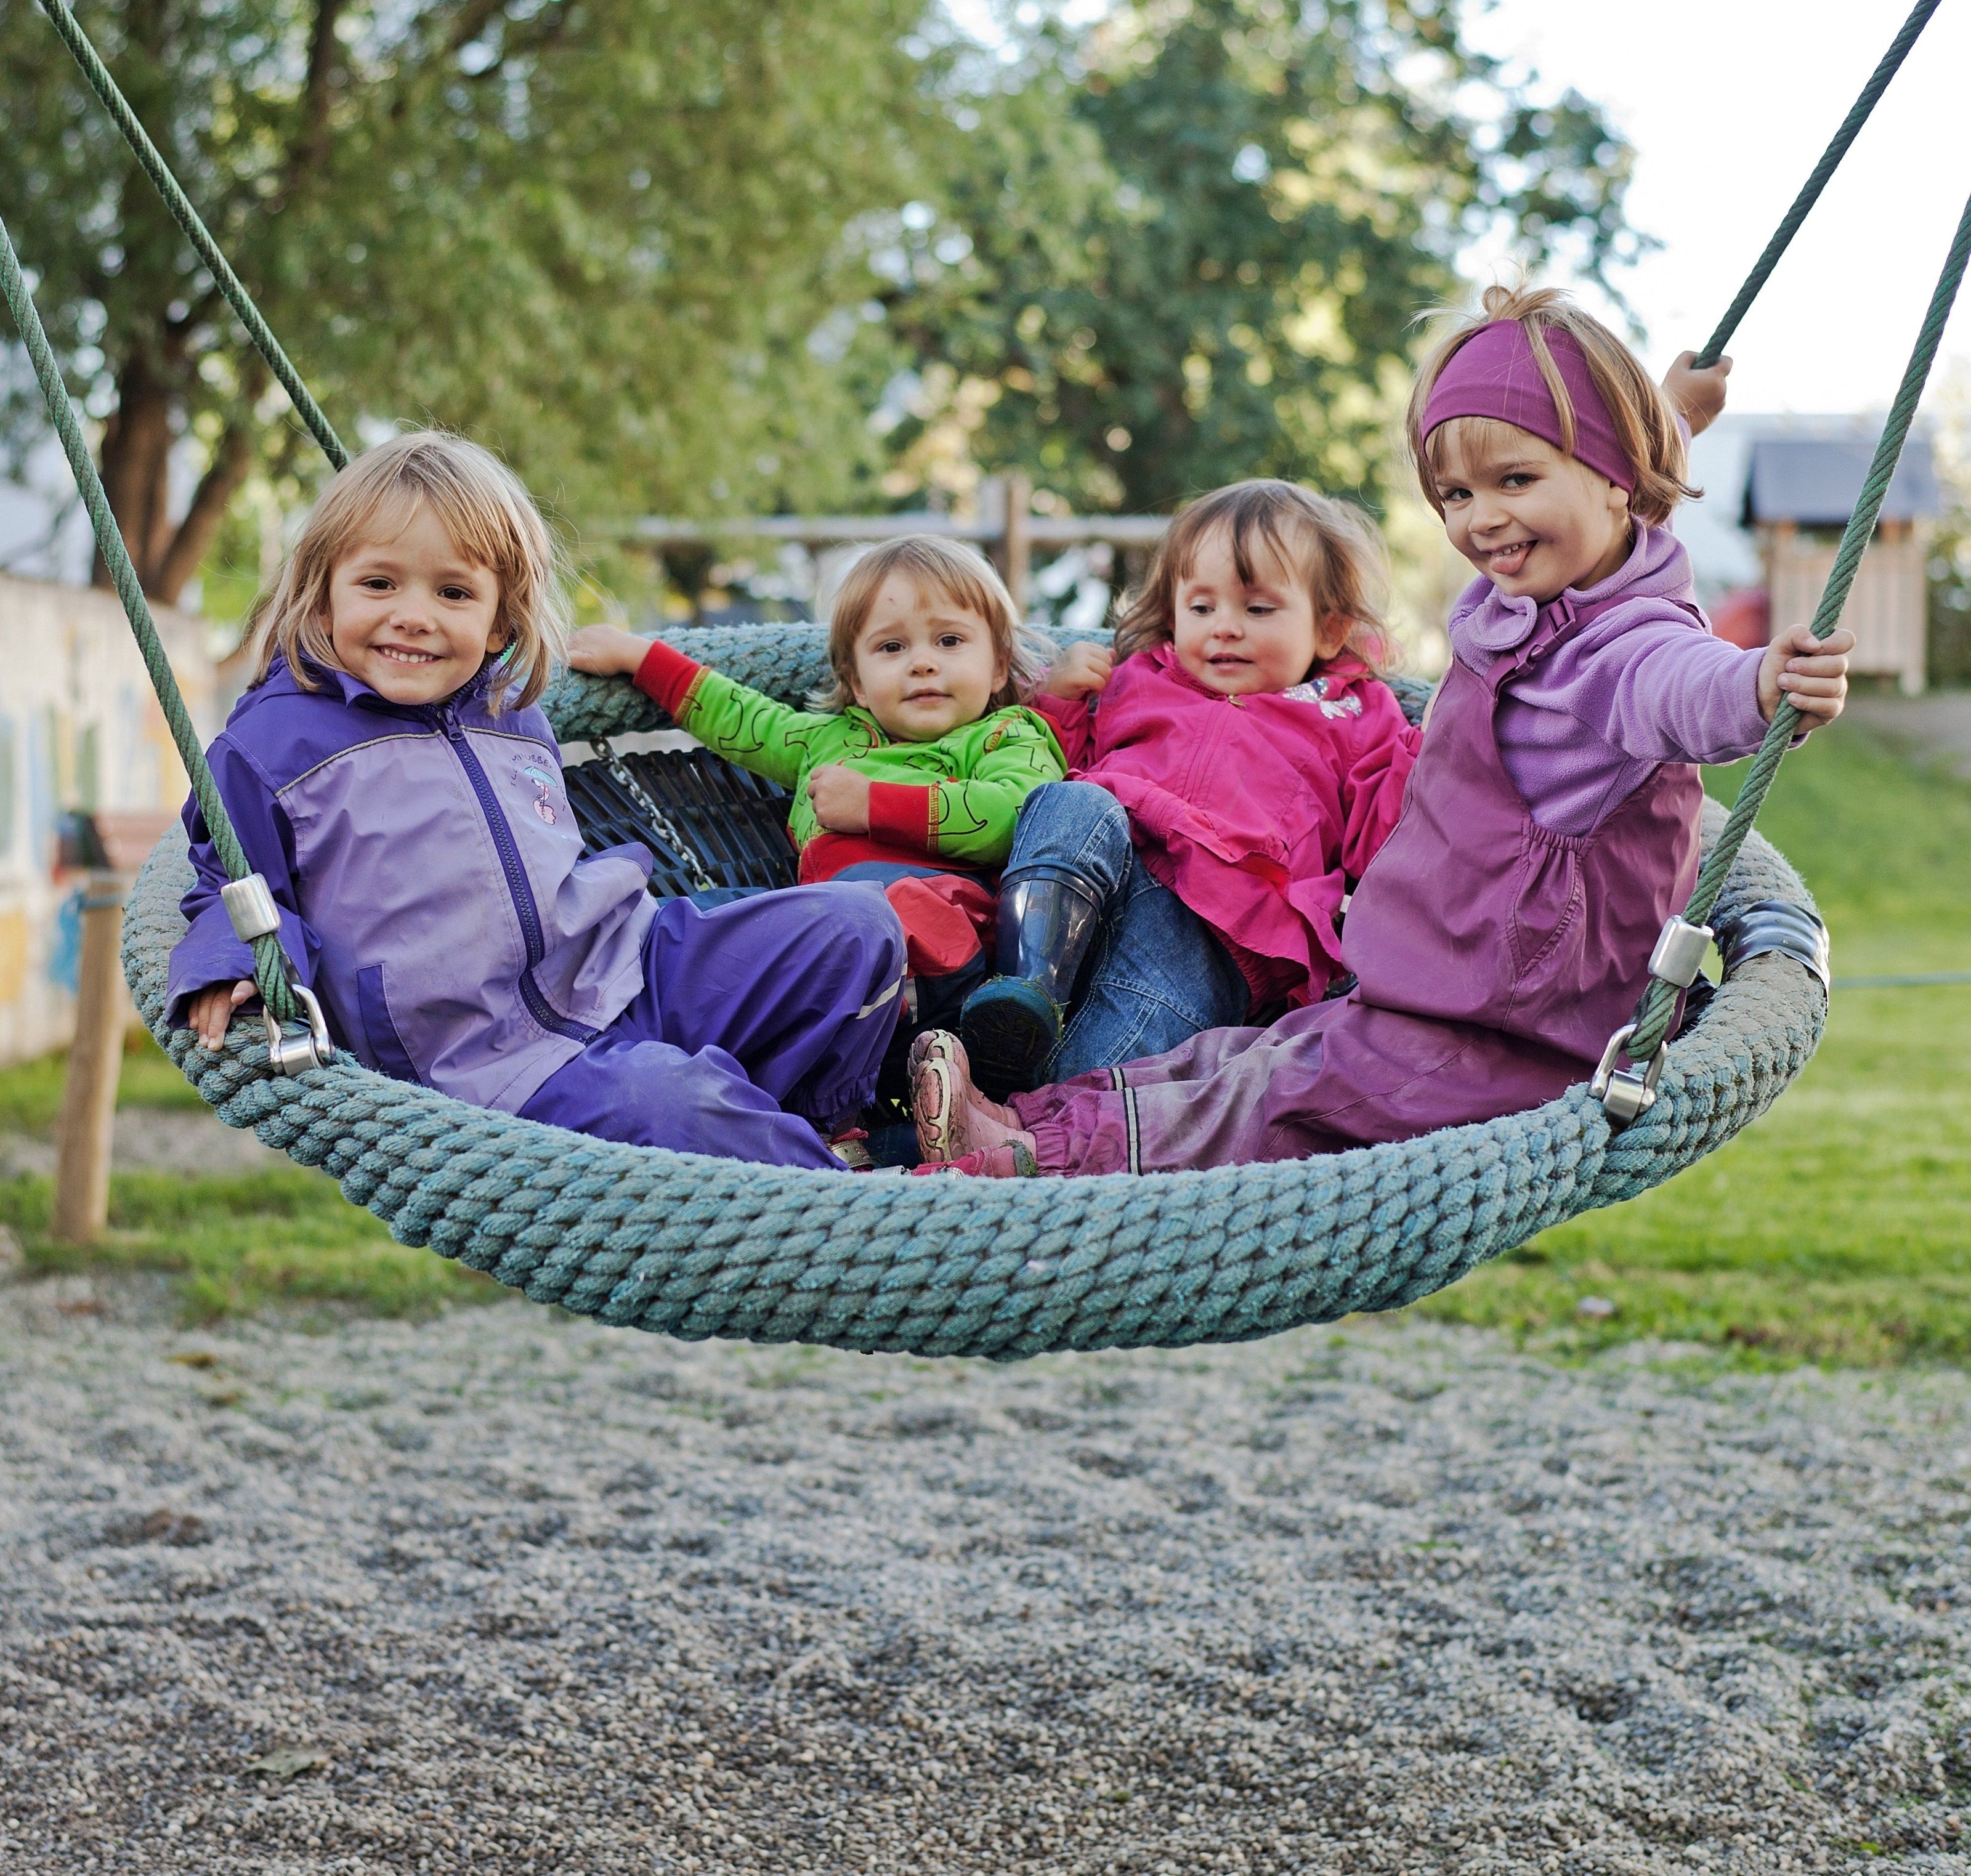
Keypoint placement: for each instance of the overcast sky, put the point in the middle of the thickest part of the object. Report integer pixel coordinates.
(1729, 104)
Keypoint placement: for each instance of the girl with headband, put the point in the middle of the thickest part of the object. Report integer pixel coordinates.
(1550, 825)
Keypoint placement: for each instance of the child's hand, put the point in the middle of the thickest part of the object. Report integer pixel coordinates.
(841, 799)
(1698, 395)
(606, 650)
(1811, 672)
(212, 1010)
(1080, 671)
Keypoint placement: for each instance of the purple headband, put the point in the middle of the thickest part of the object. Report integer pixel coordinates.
(1494, 374)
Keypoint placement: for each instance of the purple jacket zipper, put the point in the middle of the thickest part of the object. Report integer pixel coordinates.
(521, 893)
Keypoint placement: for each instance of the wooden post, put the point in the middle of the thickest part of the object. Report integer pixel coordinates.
(88, 1095)
(1016, 549)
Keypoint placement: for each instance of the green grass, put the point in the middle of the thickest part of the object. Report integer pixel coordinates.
(31, 1093)
(1838, 1227)
(235, 1242)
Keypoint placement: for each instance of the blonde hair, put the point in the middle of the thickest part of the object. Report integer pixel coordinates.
(1646, 427)
(1332, 549)
(958, 574)
(492, 520)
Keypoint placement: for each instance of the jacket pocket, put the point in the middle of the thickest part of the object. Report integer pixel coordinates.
(386, 1046)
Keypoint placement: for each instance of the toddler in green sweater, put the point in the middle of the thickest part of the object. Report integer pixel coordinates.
(922, 750)
(911, 772)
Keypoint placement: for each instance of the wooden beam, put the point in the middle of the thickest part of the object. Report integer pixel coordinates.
(828, 530)
(1016, 545)
(95, 1058)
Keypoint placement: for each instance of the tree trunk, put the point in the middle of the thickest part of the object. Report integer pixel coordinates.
(137, 445)
(216, 487)
(136, 462)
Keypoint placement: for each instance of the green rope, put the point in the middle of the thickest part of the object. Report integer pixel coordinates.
(187, 218)
(1652, 1021)
(270, 969)
(1809, 192)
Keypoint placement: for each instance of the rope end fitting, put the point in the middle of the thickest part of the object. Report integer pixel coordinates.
(308, 1048)
(249, 904)
(1626, 1094)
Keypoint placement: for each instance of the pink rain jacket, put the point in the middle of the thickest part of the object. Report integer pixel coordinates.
(1260, 812)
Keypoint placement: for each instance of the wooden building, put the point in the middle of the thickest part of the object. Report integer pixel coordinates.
(1801, 485)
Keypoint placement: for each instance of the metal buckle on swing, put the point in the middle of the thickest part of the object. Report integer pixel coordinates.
(249, 904)
(1623, 1094)
(309, 1047)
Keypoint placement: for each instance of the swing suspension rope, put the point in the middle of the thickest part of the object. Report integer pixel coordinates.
(1809, 193)
(196, 232)
(1658, 1005)
(1645, 1039)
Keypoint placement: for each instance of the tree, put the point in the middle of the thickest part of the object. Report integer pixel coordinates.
(1205, 264)
(597, 233)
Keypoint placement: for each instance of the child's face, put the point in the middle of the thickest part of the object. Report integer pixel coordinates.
(1532, 521)
(923, 665)
(411, 616)
(1239, 640)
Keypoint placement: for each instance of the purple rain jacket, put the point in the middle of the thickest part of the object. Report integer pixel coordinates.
(429, 874)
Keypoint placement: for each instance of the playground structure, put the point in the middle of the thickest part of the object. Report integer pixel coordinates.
(699, 1247)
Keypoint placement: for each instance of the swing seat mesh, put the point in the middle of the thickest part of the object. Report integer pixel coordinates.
(697, 1247)
(735, 822)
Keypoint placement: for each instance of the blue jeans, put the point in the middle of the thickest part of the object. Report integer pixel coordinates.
(1157, 974)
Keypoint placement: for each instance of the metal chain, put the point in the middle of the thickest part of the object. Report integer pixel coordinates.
(660, 823)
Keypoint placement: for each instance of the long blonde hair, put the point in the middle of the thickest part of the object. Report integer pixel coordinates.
(492, 520)
(958, 574)
(1333, 549)
(1646, 428)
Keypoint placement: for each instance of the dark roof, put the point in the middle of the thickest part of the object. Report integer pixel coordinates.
(1814, 480)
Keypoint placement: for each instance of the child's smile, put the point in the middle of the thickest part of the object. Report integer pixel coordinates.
(1535, 523)
(411, 616)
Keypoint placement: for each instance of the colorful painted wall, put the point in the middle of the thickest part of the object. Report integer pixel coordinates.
(79, 730)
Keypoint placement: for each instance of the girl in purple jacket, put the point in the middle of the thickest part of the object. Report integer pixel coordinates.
(390, 776)
(1550, 824)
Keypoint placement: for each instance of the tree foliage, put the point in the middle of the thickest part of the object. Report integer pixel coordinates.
(597, 233)
(1190, 247)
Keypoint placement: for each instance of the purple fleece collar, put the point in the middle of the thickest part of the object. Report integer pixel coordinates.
(1494, 374)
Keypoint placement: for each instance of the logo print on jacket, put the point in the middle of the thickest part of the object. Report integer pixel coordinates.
(543, 792)
(1347, 704)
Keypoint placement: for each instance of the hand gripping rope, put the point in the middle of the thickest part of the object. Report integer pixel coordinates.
(1674, 965)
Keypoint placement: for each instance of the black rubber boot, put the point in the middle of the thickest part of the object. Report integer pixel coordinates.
(1011, 1023)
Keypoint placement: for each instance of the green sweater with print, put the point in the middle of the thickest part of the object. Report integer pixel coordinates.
(955, 800)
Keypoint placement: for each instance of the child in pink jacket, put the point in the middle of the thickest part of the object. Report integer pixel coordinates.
(1235, 776)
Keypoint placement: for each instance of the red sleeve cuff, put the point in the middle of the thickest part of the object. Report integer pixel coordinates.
(666, 676)
(900, 811)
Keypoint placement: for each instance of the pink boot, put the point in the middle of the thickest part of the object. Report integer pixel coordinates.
(953, 1118)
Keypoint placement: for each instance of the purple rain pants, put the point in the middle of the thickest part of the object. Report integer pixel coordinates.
(752, 1014)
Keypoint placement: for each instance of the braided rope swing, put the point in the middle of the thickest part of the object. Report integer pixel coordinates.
(695, 1247)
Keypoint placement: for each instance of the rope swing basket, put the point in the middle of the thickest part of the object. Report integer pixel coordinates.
(695, 1247)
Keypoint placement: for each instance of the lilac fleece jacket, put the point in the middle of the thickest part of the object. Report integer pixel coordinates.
(1642, 683)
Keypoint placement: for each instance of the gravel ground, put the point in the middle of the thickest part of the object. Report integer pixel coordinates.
(507, 1592)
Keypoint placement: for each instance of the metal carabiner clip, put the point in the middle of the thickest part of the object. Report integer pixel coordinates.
(1623, 1094)
(310, 1048)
